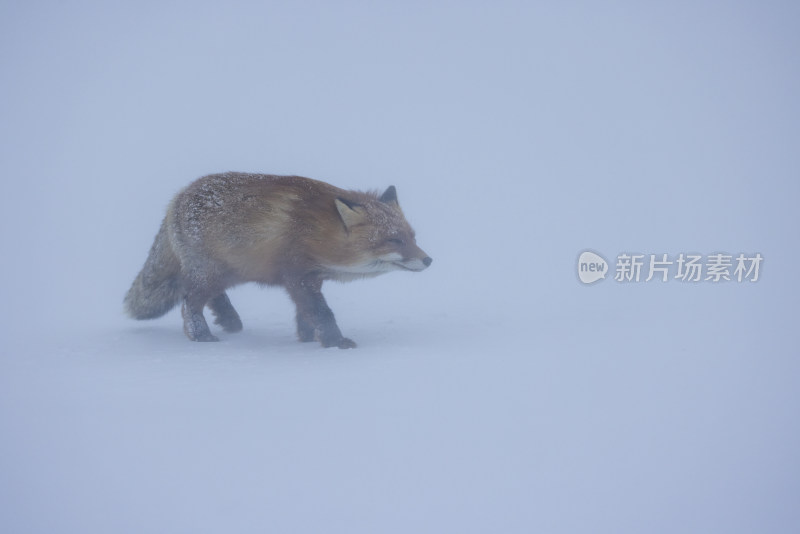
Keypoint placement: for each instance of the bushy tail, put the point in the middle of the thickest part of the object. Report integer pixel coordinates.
(157, 288)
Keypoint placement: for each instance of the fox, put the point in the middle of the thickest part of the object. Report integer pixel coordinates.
(227, 229)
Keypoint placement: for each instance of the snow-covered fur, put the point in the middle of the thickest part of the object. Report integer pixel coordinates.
(157, 288)
(227, 229)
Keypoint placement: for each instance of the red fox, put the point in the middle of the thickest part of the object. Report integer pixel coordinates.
(227, 229)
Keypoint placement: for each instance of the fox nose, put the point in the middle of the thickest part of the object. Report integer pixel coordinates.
(427, 261)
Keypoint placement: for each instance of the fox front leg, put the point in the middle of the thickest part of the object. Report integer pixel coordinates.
(315, 320)
(305, 328)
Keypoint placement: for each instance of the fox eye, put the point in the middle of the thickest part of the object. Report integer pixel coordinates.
(395, 241)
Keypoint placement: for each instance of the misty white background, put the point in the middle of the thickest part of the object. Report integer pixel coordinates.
(491, 393)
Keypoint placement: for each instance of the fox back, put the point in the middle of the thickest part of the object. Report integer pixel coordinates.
(227, 229)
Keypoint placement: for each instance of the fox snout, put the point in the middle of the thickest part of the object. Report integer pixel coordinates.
(416, 264)
(419, 261)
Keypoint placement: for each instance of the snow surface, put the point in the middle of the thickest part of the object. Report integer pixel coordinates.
(491, 393)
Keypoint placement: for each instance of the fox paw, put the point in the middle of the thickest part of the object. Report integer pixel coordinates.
(206, 336)
(346, 343)
(341, 342)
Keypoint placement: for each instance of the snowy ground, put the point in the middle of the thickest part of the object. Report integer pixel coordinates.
(438, 423)
(493, 392)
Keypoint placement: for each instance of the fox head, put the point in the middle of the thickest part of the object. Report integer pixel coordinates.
(377, 238)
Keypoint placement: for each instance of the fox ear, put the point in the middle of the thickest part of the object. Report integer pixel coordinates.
(389, 196)
(349, 212)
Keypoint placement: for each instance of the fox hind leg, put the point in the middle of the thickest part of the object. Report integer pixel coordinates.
(194, 323)
(224, 313)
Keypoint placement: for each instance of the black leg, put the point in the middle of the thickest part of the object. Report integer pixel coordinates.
(305, 329)
(194, 324)
(315, 320)
(224, 313)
